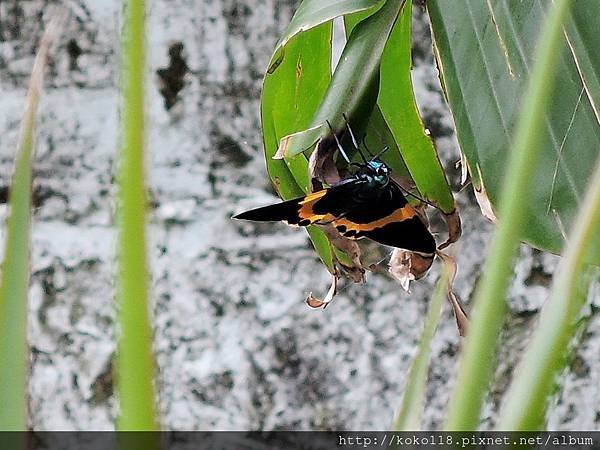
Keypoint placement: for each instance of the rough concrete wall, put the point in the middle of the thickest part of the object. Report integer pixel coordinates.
(236, 347)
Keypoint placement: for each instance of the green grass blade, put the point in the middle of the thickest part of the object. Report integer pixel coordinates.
(478, 354)
(399, 107)
(409, 416)
(14, 281)
(14, 285)
(135, 367)
(527, 397)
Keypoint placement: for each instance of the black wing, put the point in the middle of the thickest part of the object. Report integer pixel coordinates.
(357, 210)
(322, 206)
(390, 220)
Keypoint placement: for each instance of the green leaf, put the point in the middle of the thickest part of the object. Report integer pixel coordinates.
(379, 135)
(355, 82)
(399, 108)
(135, 365)
(14, 277)
(489, 306)
(582, 37)
(313, 13)
(291, 94)
(485, 53)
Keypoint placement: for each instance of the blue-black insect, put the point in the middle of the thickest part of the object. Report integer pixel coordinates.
(369, 203)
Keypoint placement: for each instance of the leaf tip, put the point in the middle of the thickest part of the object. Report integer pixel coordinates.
(454, 228)
(316, 303)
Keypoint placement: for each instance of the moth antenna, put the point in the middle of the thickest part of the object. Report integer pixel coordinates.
(385, 149)
(379, 136)
(407, 192)
(339, 144)
(354, 142)
(364, 143)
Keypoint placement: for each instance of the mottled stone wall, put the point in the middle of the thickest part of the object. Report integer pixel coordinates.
(236, 346)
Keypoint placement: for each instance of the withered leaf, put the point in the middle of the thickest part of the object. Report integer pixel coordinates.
(321, 165)
(462, 319)
(454, 228)
(408, 266)
(315, 302)
(483, 200)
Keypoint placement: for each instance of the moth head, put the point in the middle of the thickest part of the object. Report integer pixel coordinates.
(378, 169)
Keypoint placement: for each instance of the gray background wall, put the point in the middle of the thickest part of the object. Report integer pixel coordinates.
(236, 346)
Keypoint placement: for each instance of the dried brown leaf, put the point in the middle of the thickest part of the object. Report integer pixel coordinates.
(464, 169)
(306, 138)
(356, 271)
(408, 266)
(321, 166)
(462, 319)
(316, 303)
(483, 200)
(404, 182)
(348, 246)
(454, 228)
(323, 170)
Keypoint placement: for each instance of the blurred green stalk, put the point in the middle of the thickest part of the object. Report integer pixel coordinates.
(545, 356)
(14, 281)
(135, 364)
(14, 285)
(409, 416)
(478, 359)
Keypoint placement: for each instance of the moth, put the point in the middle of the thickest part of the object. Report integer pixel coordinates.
(367, 204)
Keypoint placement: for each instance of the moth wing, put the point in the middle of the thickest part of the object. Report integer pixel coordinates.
(298, 211)
(390, 220)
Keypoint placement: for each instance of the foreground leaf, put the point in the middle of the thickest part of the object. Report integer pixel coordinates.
(485, 55)
(399, 108)
(291, 93)
(489, 305)
(355, 83)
